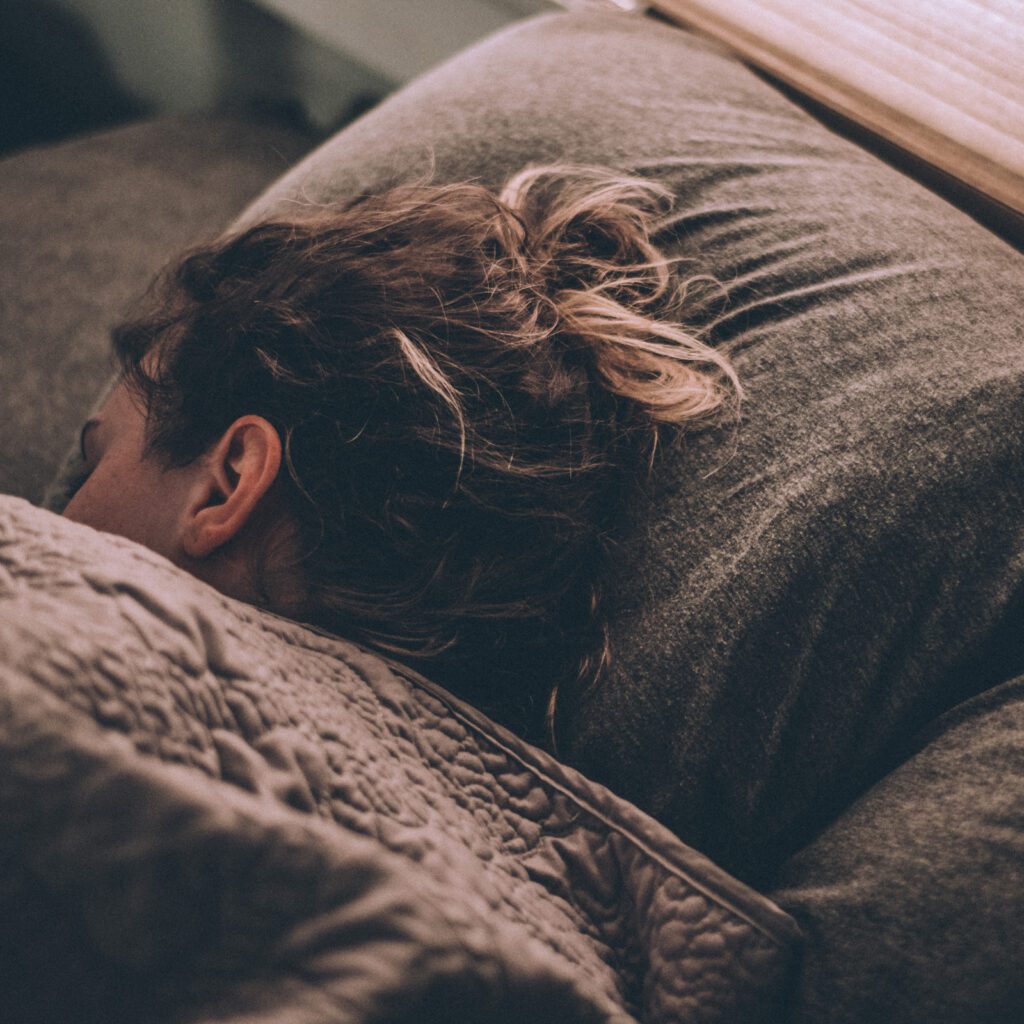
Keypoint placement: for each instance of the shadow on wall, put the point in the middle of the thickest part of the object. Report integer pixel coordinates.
(267, 66)
(74, 66)
(55, 80)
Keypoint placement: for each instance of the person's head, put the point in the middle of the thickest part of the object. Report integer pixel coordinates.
(203, 516)
(415, 420)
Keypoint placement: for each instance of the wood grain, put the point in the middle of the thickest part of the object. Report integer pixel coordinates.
(941, 79)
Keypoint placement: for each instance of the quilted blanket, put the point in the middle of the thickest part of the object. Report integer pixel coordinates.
(209, 813)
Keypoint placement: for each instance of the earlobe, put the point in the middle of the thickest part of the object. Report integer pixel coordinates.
(234, 477)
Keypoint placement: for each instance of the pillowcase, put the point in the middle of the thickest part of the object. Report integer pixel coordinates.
(806, 591)
(911, 900)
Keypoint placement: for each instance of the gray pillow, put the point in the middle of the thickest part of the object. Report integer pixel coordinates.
(911, 900)
(809, 589)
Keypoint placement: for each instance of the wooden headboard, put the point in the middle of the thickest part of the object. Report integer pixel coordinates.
(942, 81)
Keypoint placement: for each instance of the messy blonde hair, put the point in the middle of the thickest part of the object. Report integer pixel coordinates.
(469, 387)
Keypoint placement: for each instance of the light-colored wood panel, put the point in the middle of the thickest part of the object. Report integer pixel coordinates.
(942, 79)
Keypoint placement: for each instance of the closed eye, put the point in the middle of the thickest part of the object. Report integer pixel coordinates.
(83, 438)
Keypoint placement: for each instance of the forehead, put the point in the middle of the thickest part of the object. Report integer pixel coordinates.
(122, 406)
(122, 413)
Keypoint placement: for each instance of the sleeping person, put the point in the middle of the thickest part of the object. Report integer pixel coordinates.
(816, 653)
(417, 420)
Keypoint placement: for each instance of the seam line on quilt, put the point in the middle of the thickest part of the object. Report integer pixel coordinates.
(628, 835)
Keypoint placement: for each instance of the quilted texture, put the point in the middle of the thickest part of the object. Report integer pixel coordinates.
(211, 813)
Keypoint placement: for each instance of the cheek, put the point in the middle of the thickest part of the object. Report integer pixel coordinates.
(89, 504)
(127, 500)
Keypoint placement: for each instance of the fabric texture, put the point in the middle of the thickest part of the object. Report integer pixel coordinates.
(211, 813)
(84, 226)
(811, 587)
(910, 900)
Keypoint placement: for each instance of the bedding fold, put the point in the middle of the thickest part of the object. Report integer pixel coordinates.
(213, 814)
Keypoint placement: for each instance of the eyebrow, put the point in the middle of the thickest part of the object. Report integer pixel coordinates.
(89, 424)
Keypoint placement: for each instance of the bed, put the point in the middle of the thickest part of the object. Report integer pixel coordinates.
(799, 795)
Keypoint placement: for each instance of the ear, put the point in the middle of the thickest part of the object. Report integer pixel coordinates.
(236, 475)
